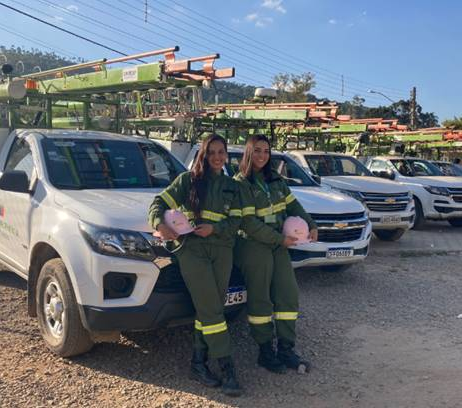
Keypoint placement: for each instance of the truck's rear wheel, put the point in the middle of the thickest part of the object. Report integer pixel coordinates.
(455, 222)
(389, 235)
(419, 215)
(57, 312)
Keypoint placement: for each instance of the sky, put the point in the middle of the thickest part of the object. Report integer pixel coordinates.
(384, 46)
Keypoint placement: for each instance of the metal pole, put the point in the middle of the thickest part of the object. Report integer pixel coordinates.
(413, 108)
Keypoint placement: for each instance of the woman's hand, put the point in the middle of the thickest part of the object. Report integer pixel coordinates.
(203, 230)
(165, 233)
(289, 241)
(313, 236)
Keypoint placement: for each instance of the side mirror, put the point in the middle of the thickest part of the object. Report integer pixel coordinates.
(15, 181)
(316, 178)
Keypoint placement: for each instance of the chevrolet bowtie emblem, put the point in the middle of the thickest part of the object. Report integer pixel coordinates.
(390, 200)
(340, 225)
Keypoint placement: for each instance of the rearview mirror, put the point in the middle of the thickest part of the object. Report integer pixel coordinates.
(15, 181)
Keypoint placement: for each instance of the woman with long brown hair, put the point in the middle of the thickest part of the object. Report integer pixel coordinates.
(211, 201)
(262, 255)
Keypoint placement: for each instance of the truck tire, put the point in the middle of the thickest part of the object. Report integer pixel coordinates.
(389, 235)
(455, 222)
(57, 312)
(419, 215)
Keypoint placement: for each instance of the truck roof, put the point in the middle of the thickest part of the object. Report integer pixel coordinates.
(318, 152)
(79, 134)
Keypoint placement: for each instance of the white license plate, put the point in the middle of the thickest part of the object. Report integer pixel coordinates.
(236, 295)
(391, 219)
(339, 253)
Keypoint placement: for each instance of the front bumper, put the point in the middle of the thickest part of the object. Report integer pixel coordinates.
(392, 220)
(316, 253)
(444, 208)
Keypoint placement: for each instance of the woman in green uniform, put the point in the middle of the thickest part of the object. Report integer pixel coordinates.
(262, 255)
(211, 201)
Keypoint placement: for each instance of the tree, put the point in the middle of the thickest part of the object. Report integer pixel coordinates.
(293, 88)
(455, 123)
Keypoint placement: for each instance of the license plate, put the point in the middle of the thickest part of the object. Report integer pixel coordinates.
(236, 295)
(339, 253)
(391, 219)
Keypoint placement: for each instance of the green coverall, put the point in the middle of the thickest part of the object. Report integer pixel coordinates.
(272, 290)
(205, 263)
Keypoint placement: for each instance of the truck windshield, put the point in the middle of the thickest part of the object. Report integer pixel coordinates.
(287, 168)
(102, 164)
(449, 169)
(329, 165)
(416, 168)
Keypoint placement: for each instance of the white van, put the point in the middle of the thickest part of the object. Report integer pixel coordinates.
(436, 196)
(344, 229)
(73, 222)
(389, 204)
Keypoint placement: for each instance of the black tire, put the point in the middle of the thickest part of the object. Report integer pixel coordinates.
(419, 215)
(455, 222)
(61, 327)
(335, 268)
(389, 235)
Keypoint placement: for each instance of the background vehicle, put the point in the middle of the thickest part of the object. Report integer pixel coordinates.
(437, 197)
(448, 169)
(344, 230)
(389, 204)
(73, 208)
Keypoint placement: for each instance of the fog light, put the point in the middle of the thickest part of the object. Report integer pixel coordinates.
(118, 285)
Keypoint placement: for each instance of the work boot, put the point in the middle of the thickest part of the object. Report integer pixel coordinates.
(287, 356)
(200, 371)
(267, 358)
(229, 384)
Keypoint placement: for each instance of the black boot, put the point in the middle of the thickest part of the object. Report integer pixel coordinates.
(267, 358)
(287, 356)
(229, 386)
(200, 371)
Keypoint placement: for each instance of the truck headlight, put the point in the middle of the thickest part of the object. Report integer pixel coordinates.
(117, 242)
(355, 194)
(437, 190)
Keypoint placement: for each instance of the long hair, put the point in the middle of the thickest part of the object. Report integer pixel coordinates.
(198, 191)
(246, 165)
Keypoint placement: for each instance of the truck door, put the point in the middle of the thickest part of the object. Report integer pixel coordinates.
(15, 209)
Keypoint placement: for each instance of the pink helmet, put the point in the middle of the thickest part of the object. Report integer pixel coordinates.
(177, 222)
(298, 228)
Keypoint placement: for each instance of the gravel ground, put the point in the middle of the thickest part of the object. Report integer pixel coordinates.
(383, 334)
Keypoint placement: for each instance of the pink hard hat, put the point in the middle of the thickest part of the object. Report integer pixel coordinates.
(177, 222)
(296, 227)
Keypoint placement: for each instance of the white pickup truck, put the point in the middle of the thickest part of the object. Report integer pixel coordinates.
(73, 223)
(389, 204)
(436, 196)
(344, 229)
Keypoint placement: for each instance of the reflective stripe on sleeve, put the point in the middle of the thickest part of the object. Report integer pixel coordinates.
(259, 319)
(212, 216)
(197, 325)
(214, 328)
(261, 212)
(290, 198)
(235, 213)
(285, 315)
(169, 200)
(248, 211)
(279, 207)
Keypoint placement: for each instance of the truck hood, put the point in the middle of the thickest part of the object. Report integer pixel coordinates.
(437, 181)
(124, 209)
(319, 200)
(366, 184)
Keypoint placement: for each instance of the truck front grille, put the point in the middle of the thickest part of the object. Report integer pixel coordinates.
(340, 227)
(386, 202)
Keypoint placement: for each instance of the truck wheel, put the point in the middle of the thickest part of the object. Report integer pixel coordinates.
(389, 235)
(455, 222)
(57, 312)
(419, 215)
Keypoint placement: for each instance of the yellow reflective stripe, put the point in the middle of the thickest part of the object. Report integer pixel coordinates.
(290, 198)
(285, 315)
(197, 325)
(169, 200)
(189, 215)
(214, 328)
(235, 213)
(213, 216)
(248, 211)
(279, 207)
(264, 211)
(259, 319)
